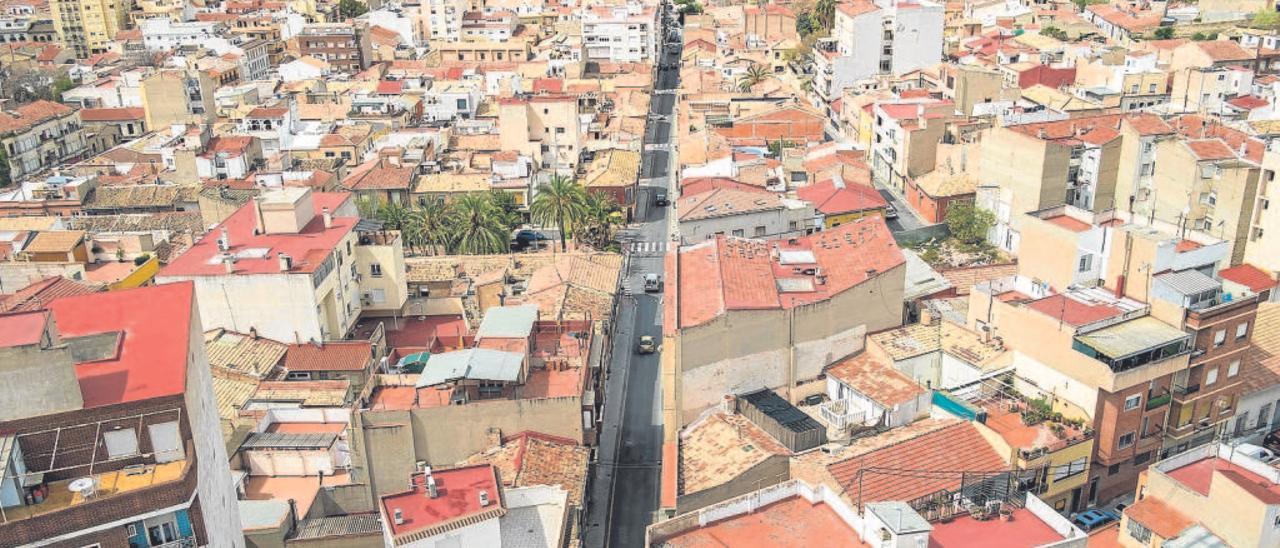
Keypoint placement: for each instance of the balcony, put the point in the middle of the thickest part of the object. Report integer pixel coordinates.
(1133, 344)
(106, 486)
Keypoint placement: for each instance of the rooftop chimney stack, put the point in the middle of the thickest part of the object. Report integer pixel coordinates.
(224, 241)
(484, 499)
(286, 262)
(398, 516)
(328, 217)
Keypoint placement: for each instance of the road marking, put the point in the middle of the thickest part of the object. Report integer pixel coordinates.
(647, 248)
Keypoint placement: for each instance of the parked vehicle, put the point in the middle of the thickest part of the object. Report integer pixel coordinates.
(1089, 520)
(1261, 453)
(1272, 441)
(652, 283)
(890, 212)
(660, 198)
(527, 238)
(646, 345)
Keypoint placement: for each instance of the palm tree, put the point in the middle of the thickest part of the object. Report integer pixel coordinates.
(505, 202)
(824, 12)
(478, 227)
(392, 215)
(601, 214)
(806, 85)
(755, 74)
(427, 226)
(560, 202)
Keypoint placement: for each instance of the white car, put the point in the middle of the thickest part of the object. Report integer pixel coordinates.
(1261, 453)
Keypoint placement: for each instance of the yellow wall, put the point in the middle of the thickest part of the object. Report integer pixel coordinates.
(833, 221)
(143, 275)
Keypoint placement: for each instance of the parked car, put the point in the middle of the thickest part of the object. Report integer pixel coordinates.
(652, 283)
(660, 198)
(1089, 520)
(526, 238)
(1261, 453)
(1272, 441)
(646, 345)
(890, 212)
(815, 399)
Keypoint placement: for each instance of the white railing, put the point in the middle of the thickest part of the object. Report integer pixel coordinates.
(839, 416)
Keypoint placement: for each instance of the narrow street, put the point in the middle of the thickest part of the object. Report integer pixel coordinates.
(625, 484)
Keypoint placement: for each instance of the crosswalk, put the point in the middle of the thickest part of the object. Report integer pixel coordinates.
(646, 248)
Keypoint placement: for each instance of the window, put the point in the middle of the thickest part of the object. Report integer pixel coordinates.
(1132, 402)
(760, 231)
(1139, 532)
(1086, 261)
(1074, 467)
(1263, 413)
(1211, 376)
(1113, 469)
(1125, 440)
(1141, 458)
(378, 296)
(298, 376)
(1233, 369)
(738, 232)
(375, 270)
(121, 443)
(1242, 330)
(1219, 338)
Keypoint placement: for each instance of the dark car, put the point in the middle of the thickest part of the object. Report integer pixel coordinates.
(526, 238)
(1272, 441)
(660, 198)
(1089, 520)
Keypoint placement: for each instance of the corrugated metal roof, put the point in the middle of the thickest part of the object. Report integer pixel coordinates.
(508, 322)
(1189, 282)
(281, 440)
(339, 526)
(789, 416)
(1131, 337)
(472, 363)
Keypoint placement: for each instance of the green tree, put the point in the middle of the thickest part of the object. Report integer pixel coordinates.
(392, 215)
(755, 74)
(1265, 19)
(427, 227)
(1164, 33)
(506, 204)
(349, 9)
(969, 224)
(776, 147)
(600, 216)
(6, 178)
(560, 201)
(478, 228)
(824, 14)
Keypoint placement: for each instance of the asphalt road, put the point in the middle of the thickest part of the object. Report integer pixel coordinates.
(625, 484)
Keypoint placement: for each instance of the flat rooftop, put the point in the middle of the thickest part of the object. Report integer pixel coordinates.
(1025, 529)
(1199, 477)
(790, 522)
(459, 496)
(302, 489)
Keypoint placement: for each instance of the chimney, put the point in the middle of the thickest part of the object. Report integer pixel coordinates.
(286, 262)
(224, 240)
(398, 516)
(1041, 133)
(433, 489)
(730, 404)
(926, 315)
(229, 263)
(328, 217)
(484, 498)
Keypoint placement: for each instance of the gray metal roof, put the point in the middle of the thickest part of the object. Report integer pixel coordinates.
(339, 526)
(921, 279)
(1131, 337)
(279, 440)
(899, 517)
(1189, 282)
(508, 322)
(472, 363)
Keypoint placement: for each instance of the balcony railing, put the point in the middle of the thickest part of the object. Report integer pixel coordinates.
(189, 542)
(1158, 401)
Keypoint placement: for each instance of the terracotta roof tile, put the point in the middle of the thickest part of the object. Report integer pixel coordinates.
(331, 356)
(1252, 277)
(39, 294)
(30, 114)
(1160, 518)
(876, 379)
(946, 452)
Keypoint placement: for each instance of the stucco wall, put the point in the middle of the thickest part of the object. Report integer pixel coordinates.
(281, 307)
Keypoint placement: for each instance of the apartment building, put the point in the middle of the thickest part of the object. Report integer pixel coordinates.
(882, 37)
(25, 28)
(1029, 167)
(546, 128)
(164, 34)
(628, 33)
(907, 133)
(344, 46)
(110, 435)
(39, 136)
(294, 266)
(88, 26)
(178, 96)
(777, 312)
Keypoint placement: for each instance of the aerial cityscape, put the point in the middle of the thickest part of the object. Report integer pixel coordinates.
(639, 273)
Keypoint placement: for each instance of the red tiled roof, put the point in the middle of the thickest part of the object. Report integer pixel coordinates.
(1252, 277)
(390, 87)
(39, 294)
(875, 379)
(1198, 127)
(1248, 102)
(1211, 149)
(1148, 124)
(1071, 311)
(548, 85)
(856, 8)
(698, 185)
(831, 199)
(30, 114)
(331, 356)
(380, 175)
(729, 273)
(112, 114)
(1224, 50)
(155, 328)
(945, 453)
